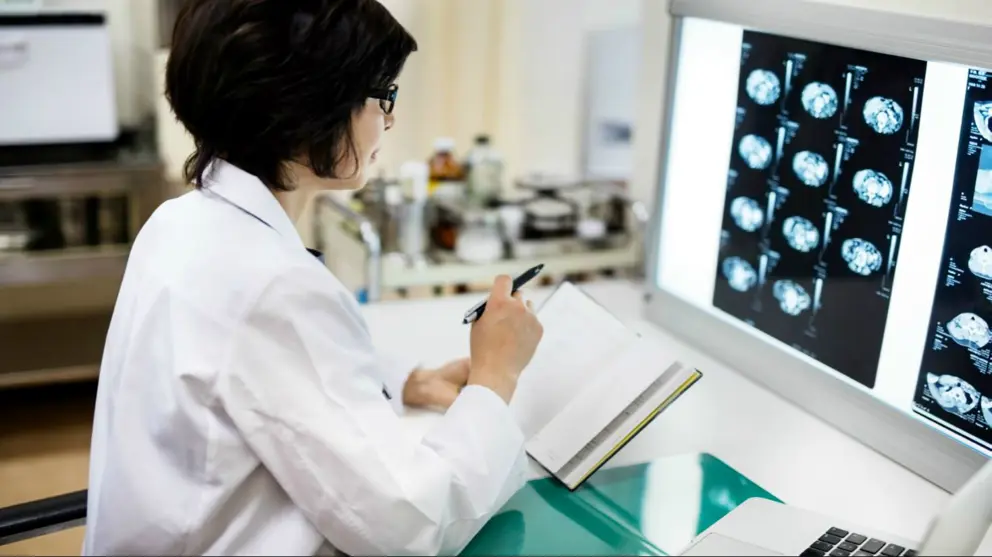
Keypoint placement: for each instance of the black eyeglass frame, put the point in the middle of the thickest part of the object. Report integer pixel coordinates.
(386, 97)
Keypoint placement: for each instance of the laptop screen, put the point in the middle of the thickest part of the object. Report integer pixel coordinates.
(838, 202)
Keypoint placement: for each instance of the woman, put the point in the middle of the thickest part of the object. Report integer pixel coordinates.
(242, 407)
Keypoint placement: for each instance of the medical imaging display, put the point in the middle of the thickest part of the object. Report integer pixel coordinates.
(954, 386)
(820, 172)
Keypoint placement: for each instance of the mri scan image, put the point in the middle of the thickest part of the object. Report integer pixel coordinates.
(756, 151)
(739, 274)
(987, 410)
(873, 187)
(983, 110)
(792, 298)
(952, 393)
(763, 87)
(747, 214)
(883, 115)
(861, 256)
(819, 100)
(801, 234)
(969, 330)
(980, 262)
(811, 168)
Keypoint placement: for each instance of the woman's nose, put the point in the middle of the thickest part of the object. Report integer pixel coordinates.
(390, 119)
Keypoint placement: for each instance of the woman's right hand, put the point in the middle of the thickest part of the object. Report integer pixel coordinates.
(503, 340)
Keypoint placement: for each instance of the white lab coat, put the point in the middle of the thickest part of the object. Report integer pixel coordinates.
(242, 408)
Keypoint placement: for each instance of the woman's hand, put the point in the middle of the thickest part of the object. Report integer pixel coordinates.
(436, 388)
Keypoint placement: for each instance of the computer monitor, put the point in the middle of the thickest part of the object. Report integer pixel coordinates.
(824, 222)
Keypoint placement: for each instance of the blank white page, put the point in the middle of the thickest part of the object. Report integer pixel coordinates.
(597, 405)
(580, 339)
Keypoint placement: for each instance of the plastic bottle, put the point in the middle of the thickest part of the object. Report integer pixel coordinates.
(485, 171)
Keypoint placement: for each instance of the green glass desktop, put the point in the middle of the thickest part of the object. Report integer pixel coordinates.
(653, 508)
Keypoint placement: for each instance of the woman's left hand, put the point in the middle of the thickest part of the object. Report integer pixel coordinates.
(436, 388)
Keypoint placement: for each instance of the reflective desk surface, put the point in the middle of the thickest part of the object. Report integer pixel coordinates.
(653, 508)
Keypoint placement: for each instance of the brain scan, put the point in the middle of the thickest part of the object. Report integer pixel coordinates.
(801, 234)
(861, 256)
(756, 151)
(952, 393)
(982, 111)
(810, 168)
(883, 115)
(873, 187)
(792, 298)
(739, 274)
(969, 330)
(980, 262)
(987, 410)
(763, 87)
(747, 214)
(819, 100)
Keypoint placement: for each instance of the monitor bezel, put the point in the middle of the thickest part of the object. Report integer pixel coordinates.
(907, 440)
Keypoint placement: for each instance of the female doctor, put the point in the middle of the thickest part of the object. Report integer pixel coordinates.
(242, 407)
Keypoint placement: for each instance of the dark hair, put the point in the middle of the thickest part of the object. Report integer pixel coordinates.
(262, 82)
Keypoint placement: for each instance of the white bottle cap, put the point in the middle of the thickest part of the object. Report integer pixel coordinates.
(444, 144)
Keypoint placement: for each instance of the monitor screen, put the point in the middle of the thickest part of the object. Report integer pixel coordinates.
(838, 202)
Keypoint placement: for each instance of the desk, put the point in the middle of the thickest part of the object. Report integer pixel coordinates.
(797, 457)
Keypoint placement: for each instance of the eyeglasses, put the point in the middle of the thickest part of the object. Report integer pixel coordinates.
(387, 97)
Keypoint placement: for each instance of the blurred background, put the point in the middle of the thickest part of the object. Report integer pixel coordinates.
(513, 145)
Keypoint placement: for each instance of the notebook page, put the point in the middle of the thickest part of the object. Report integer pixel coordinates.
(580, 339)
(663, 391)
(599, 403)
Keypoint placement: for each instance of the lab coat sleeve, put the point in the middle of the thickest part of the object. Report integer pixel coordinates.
(300, 387)
(395, 370)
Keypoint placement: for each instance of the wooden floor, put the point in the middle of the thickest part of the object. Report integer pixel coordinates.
(44, 451)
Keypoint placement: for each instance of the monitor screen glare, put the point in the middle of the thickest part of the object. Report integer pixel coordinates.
(838, 202)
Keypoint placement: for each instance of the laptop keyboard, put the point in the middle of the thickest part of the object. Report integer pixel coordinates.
(841, 543)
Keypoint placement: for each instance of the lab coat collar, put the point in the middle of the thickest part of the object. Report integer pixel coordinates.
(250, 195)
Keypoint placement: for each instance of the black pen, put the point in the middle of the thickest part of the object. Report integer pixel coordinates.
(476, 312)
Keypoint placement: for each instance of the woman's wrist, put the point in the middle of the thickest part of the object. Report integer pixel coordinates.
(503, 384)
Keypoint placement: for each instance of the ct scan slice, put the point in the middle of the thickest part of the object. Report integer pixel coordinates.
(980, 262)
(792, 298)
(861, 256)
(952, 393)
(883, 115)
(811, 168)
(739, 274)
(969, 330)
(987, 410)
(756, 151)
(747, 214)
(983, 109)
(819, 100)
(873, 187)
(801, 234)
(763, 87)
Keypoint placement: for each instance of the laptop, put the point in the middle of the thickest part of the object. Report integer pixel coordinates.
(763, 527)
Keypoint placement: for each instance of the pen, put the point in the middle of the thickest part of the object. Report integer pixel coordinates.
(475, 313)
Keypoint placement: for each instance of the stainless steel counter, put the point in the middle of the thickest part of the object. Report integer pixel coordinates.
(131, 169)
(55, 304)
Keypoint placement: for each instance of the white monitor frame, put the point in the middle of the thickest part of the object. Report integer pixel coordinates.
(917, 446)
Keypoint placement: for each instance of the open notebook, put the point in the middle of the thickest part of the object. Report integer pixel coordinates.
(592, 385)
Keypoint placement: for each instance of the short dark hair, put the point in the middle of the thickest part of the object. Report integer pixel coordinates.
(262, 82)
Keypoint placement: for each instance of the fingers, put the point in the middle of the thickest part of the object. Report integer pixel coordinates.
(458, 370)
(446, 396)
(502, 288)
